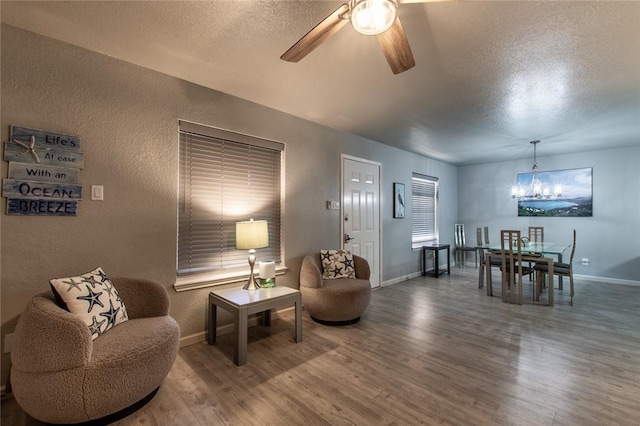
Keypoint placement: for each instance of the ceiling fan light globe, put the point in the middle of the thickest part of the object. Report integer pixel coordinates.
(371, 17)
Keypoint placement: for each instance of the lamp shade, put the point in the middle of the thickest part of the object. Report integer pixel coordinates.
(252, 234)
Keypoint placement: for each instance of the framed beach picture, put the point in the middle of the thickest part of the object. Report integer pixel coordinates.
(558, 193)
(398, 200)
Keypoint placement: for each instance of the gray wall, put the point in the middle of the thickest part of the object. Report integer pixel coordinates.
(610, 239)
(127, 118)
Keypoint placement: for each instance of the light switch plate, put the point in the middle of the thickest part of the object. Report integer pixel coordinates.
(97, 192)
(333, 205)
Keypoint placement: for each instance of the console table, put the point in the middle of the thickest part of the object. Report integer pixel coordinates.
(242, 303)
(436, 271)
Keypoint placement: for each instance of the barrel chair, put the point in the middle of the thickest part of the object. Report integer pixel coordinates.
(332, 299)
(62, 373)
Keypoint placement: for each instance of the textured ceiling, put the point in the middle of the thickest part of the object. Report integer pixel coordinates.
(489, 76)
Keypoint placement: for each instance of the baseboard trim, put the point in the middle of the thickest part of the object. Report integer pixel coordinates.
(201, 336)
(607, 280)
(400, 279)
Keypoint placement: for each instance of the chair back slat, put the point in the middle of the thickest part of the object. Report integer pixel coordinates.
(486, 235)
(511, 254)
(459, 235)
(573, 248)
(511, 245)
(536, 234)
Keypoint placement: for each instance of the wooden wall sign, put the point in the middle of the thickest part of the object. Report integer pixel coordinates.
(41, 147)
(52, 157)
(42, 207)
(13, 188)
(43, 173)
(45, 139)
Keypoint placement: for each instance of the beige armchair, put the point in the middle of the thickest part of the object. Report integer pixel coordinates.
(337, 301)
(60, 375)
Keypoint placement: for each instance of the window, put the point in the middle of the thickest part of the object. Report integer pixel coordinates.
(424, 209)
(225, 178)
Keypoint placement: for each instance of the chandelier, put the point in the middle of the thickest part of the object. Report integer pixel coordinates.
(535, 189)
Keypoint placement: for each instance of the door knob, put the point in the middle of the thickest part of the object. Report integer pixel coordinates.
(348, 238)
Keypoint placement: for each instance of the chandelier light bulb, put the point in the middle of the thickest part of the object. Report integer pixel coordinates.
(557, 191)
(537, 188)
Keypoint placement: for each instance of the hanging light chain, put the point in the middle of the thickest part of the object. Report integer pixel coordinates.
(535, 157)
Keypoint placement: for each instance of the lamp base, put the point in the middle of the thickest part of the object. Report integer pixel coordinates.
(252, 284)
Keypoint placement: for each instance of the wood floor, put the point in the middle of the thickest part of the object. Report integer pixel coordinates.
(428, 351)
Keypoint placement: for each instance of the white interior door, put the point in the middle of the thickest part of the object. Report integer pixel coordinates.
(361, 212)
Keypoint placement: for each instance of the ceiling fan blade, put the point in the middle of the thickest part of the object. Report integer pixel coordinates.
(314, 38)
(396, 49)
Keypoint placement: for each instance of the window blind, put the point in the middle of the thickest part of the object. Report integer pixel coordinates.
(424, 209)
(225, 178)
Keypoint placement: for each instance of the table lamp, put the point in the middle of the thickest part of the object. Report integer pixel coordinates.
(252, 235)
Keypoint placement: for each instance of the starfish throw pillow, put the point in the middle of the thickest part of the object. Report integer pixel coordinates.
(93, 298)
(337, 264)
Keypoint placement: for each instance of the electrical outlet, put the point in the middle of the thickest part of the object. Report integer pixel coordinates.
(7, 343)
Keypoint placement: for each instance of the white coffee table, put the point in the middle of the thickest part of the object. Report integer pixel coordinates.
(242, 303)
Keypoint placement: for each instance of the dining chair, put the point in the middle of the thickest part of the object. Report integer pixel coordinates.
(560, 269)
(461, 247)
(494, 262)
(511, 264)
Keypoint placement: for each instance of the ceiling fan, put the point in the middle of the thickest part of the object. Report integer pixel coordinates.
(369, 17)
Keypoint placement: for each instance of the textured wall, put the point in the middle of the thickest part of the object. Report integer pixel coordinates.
(127, 118)
(610, 239)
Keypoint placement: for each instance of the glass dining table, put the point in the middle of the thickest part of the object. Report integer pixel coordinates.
(531, 252)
